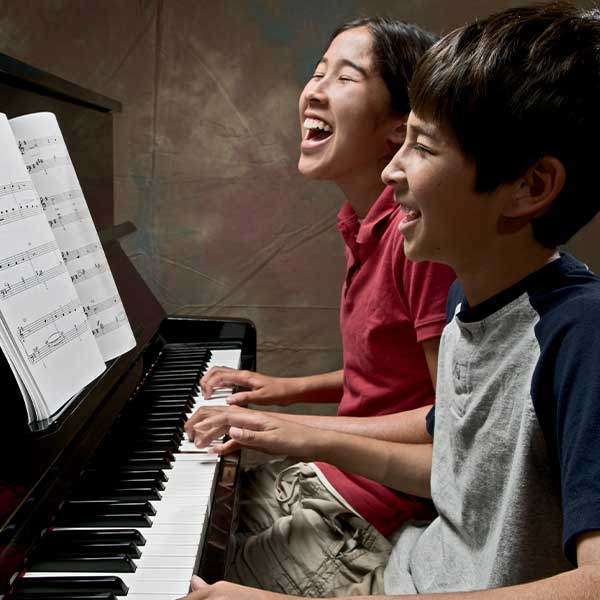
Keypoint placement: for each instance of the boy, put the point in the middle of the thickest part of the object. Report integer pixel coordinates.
(496, 172)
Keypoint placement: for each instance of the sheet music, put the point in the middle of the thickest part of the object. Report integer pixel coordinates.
(47, 159)
(48, 341)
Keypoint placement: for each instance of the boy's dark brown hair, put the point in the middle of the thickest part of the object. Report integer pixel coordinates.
(517, 86)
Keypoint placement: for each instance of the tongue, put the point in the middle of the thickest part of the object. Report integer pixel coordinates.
(318, 134)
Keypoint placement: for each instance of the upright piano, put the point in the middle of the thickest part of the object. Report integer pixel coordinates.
(102, 504)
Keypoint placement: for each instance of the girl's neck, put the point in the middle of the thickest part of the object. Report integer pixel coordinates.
(362, 195)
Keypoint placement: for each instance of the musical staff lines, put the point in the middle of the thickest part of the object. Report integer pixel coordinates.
(39, 277)
(15, 188)
(27, 255)
(84, 274)
(48, 201)
(56, 341)
(98, 307)
(17, 213)
(25, 331)
(41, 164)
(70, 255)
(26, 146)
(102, 328)
(72, 217)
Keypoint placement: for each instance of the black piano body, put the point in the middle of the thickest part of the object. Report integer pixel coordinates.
(38, 469)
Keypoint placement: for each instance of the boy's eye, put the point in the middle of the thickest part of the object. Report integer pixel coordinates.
(421, 149)
(317, 76)
(346, 78)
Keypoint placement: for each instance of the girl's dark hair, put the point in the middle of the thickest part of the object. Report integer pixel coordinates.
(397, 47)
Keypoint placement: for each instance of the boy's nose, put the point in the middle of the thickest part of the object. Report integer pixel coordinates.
(392, 175)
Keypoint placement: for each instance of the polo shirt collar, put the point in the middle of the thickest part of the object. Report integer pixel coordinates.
(356, 233)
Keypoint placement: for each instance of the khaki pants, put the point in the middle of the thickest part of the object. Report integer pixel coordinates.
(295, 537)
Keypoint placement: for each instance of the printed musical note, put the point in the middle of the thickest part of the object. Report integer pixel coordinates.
(26, 146)
(72, 217)
(27, 255)
(84, 274)
(69, 255)
(48, 201)
(56, 341)
(15, 188)
(103, 328)
(98, 307)
(25, 331)
(25, 283)
(41, 164)
(20, 212)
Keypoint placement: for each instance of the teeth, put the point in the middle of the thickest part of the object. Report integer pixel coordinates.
(412, 213)
(316, 124)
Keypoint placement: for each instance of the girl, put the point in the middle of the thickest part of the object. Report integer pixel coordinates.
(308, 528)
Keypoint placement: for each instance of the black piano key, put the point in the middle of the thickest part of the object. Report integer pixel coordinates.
(95, 564)
(98, 536)
(170, 387)
(152, 482)
(170, 416)
(165, 397)
(138, 438)
(153, 442)
(156, 408)
(182, 375)
(145, 463)
(157, 429)
(123, 483)
(104, 520)
(87, 549)
(125, 494)
(65, 585)
(91, 507)
(139, 473)
(174, 421)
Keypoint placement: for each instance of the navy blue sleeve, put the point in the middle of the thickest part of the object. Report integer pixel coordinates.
(566, 395)
(430, 421)
(456, 295)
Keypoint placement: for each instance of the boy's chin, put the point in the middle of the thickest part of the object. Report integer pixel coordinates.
(417, 253)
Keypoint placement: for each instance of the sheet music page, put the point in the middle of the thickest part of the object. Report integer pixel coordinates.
(46, 333)
(48, 162)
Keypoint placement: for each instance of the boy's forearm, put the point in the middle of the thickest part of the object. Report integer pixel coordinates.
(582, 583)
(403, 467)
(407, 427)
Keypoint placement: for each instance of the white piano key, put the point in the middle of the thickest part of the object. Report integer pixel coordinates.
(172, 548)
(174, 539)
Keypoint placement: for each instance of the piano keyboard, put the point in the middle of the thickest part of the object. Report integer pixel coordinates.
(140, 538)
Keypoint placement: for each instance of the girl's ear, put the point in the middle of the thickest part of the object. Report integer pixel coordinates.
(536, 190)
(398, 130)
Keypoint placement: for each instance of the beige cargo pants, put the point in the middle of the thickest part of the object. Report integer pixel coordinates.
(295, 537)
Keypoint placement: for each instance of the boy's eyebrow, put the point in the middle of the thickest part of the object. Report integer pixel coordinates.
(424, 130)
(346, 62)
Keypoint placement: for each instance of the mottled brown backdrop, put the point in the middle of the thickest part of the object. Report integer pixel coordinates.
(207, 143)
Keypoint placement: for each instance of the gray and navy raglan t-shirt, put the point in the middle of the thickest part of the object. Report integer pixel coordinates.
(516, 459)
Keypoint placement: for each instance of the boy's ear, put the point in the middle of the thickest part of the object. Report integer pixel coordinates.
(536, 190)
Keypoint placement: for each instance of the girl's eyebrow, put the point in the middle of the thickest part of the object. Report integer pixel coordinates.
(348, 63)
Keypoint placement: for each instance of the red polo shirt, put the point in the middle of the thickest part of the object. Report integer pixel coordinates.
(389, 305)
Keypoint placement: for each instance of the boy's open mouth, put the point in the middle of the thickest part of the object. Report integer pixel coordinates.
(317, 130)
(410, 214)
